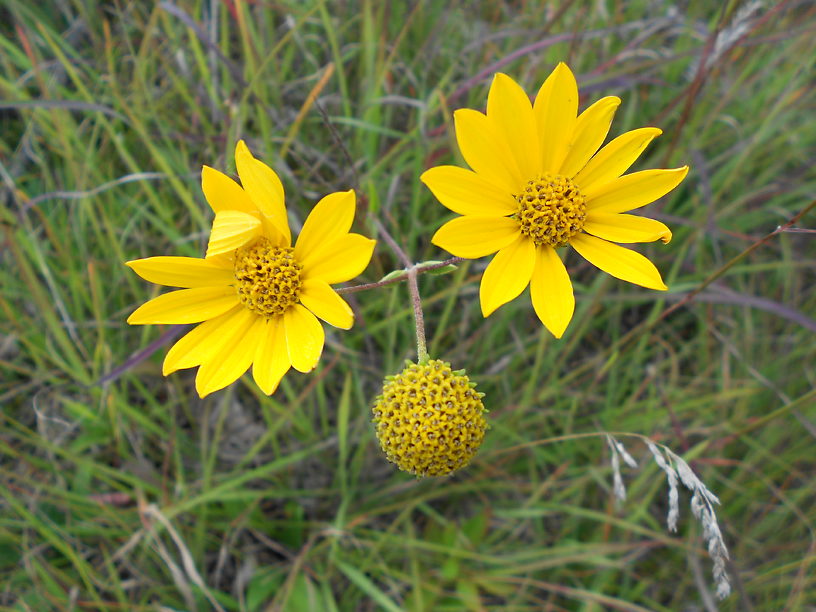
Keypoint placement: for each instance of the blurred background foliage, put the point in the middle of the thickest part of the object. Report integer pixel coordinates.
(121, 489)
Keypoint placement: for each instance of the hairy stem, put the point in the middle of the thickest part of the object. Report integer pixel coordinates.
(419, 317)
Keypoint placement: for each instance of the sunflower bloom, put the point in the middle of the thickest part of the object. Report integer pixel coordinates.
(538, 182)
(257, 297)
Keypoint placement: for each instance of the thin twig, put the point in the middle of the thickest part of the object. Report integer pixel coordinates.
(77, 195)
(232, 67)
(141, 355)
(340, 145)
(718, 273)
(403, 275)
(392, 244)
(413, 288)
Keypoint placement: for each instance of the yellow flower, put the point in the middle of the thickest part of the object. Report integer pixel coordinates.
(429, 419)
(256, 295)
(538, 182)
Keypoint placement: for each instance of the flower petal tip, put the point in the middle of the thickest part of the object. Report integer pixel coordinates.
(267, 390)
(136, 318)
(242, 150)
(202, 393)
(500, 76)
(487, 311)
(204, 389)
(461, 113)
(563, 67)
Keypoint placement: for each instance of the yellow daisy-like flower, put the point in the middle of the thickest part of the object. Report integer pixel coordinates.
(256, 297)
(539, 182)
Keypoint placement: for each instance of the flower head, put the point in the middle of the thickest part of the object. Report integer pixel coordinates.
(256, 296)
(538, 182)
(429, 420)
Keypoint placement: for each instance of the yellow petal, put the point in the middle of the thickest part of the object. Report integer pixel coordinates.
(616, 157)
(324, 302)
(473, 237)
(232, 229)
(551, 291)
(510, 112)
(486, 151)
(616, 227)
(264, 188)
(236, 349)
(223, 261)
(198, 344)
(507, 275)
(618, 261)
(330, 218)
(465, 192)
(223, 193)
(340, 260)
(632, 190)
(555, 108)
(590, 131)
(181, 271)
(185, 306)
(304, 338)
(271, 356)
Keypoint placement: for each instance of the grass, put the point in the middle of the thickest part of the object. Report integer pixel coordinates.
(122, 490)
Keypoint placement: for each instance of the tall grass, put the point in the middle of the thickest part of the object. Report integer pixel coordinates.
(122, 490)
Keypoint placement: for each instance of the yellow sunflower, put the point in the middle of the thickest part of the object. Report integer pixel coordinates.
(256, 297)
(538, 182)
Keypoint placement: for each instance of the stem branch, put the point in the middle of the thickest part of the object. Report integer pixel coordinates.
(411, 270)
(397, 278)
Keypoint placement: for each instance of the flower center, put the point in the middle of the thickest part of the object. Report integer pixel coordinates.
(551, 210)
(267, 277)
(429, 420)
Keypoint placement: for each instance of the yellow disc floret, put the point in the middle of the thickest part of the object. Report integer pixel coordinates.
(551, 210)
(429, 419)
(267, 277)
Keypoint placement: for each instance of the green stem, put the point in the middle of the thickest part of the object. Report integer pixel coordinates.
(419, 318)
